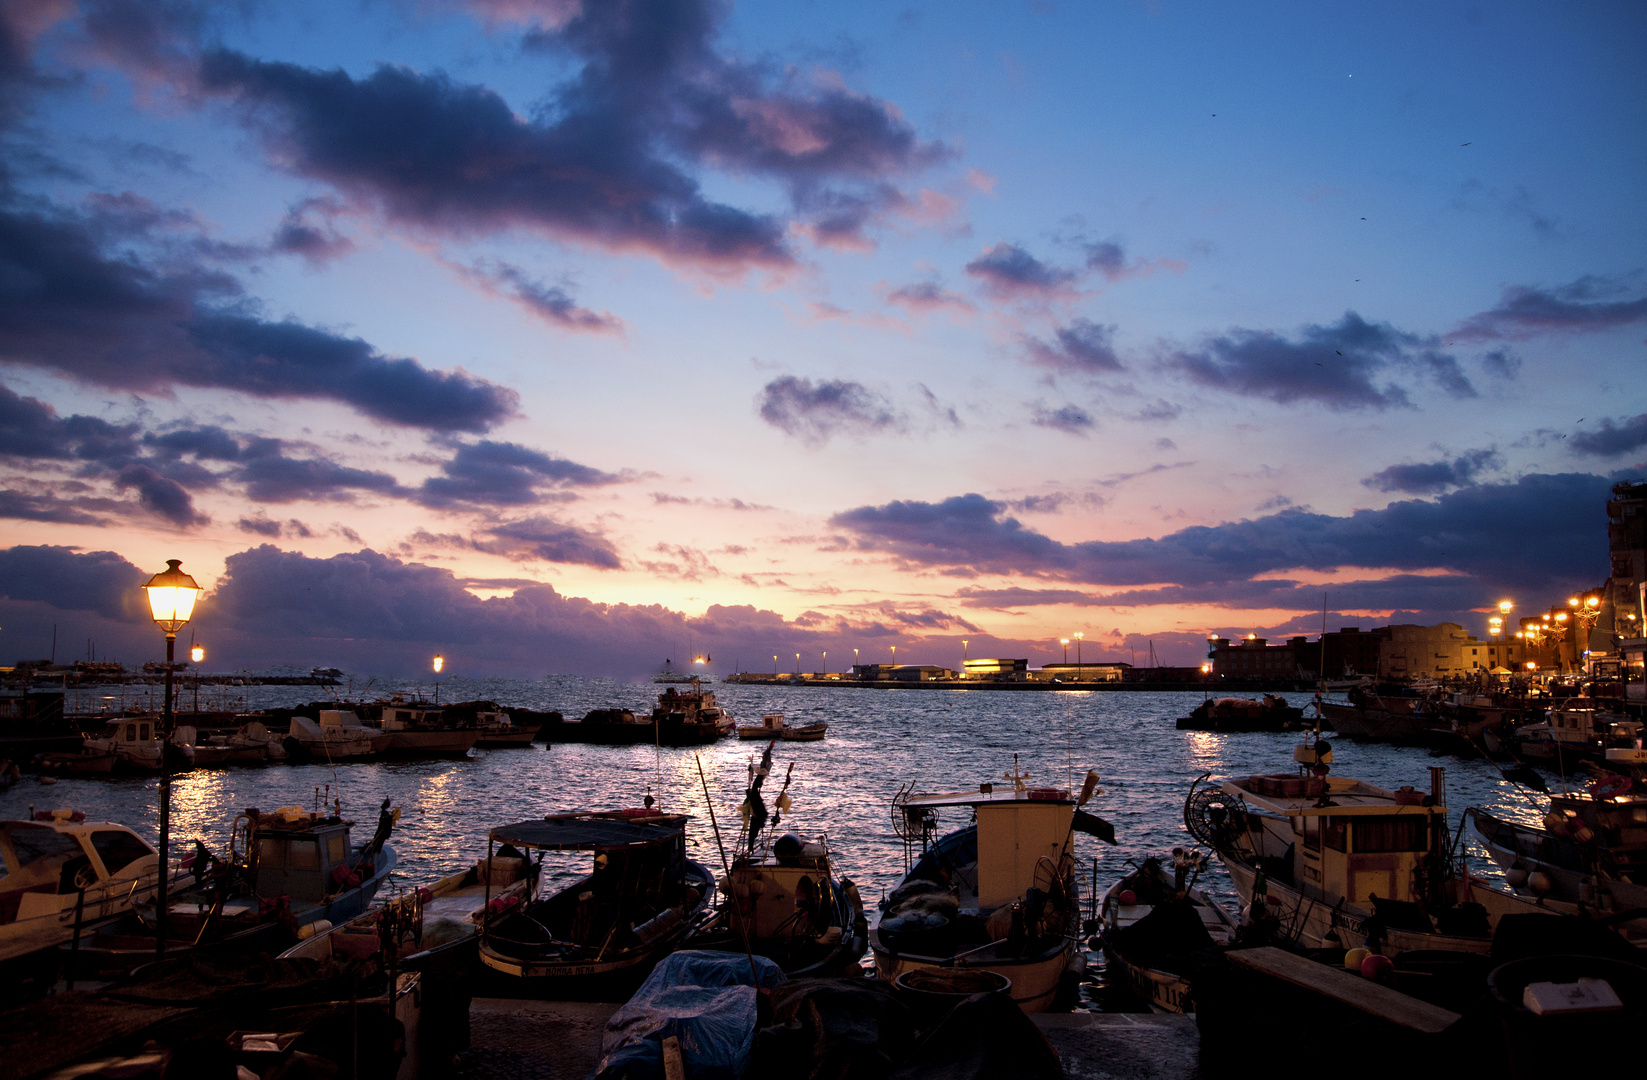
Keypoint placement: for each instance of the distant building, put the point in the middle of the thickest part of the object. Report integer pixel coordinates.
(1083, 672)
(899, 672)
(1624, 602)
(1423, 652)
(1253, 657)
(985, 668)
(1349, 652)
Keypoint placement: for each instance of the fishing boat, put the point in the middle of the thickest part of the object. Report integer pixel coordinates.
(496, 731)
(1308, 852)
(599, 937)
(82, 762)
(252, 735)
(287, 873)
(772, 726)
(415, 729)
(1378, 715)
(1158, 927)
(1269, 713)
(999, 894)
(1592, 850)
(230, 751)
(779, 897)
(690, 717)
(138, 745)
(66, 876)
(334, 735)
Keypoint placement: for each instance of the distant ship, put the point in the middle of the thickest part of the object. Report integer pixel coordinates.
(670, 675)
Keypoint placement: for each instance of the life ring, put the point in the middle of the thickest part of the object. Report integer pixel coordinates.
(1609, 786)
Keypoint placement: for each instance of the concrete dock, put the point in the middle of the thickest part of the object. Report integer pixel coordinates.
(559, 1040)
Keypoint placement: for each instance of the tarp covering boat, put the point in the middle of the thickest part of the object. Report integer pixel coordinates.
(706, 1000)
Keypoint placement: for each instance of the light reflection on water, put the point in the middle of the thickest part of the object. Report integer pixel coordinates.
(940, 740)
(878, 740)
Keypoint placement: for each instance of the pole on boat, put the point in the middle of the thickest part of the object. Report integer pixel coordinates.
(743, 928)
(171, 595)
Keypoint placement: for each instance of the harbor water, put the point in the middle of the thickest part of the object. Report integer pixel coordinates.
(842, 787)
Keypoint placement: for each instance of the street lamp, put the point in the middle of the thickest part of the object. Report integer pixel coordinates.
(172, 595)
(1078, 638)
(1064, 641)
(964, 644)
(440, 665)
(797, 663)
(774, 665)
(826, 662)
(197, 653)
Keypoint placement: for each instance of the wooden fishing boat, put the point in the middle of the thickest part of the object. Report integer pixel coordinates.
(599, 937)
(779, 897)
(1308, 852)
(138, 746)
(1571, 861)
(1158, 927)
(772, 726)
(416, 729)
(286, 871)
(82, 762)
(999, 894)
(496, 731)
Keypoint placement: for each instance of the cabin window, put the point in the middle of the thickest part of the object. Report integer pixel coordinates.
(271, 854)
(131, 732)
(1376, 834)
(303, 855)
(34, 844)
(1333, 832)
(143, 732)
(336, 849)
(1312, 834)
(118, 850)
(403, 717)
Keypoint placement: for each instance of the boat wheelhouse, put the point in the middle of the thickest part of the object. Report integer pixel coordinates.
(999, 894)
(1312, 853)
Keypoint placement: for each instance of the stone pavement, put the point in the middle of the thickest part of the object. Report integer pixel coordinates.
(560, 1040)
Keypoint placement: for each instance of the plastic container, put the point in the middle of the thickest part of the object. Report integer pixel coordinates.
(1545, 1046)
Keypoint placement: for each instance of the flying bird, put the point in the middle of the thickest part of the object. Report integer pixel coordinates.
(1580, 420)
(1464, 144)
(1319, 364)
(1339, 351)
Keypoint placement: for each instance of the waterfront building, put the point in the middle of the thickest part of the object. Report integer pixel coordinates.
(1253, 657)
(1083, 672)
(995, 668)
(900, 672)
(1624, 599)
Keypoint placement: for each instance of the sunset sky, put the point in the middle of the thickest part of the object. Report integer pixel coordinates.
(565, 338)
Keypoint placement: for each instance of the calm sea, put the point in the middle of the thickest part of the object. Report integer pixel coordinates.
(878, 740)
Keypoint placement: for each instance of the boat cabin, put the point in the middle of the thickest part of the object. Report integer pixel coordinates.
(45, 863)
(403, 716)
(776, 889)
(298, 854)
(1344, 839)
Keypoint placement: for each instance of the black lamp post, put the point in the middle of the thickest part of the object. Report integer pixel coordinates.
(440, 665)
(172, 595)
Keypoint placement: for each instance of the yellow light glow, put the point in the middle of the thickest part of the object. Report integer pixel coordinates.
(198, 653)
(1505, 606)
(172, 595)
(1572, 601)
(440, 663)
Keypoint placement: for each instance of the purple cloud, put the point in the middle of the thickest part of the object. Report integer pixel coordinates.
(1067, 418)
(1550, 516)
(1610, 440)
(1008, 272)
(1338, 365)
(1591, 303)
(551, 303)
(815, 412)
(73, 299)
(1082, 348)
(1430, 478)
(491, 473)
(927, 296)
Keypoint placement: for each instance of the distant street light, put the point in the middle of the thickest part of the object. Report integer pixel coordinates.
(1064, 641)
(440, 665)
(774, 664)
(826, 661)
(172, 594)
(197, 653)
(1078, 638)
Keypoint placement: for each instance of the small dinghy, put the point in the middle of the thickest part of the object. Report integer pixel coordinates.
(772, 726)
(1158, 927)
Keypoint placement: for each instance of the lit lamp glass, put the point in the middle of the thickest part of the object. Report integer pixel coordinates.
(1505, 607)
(198, 653)
(440, 664)
(171, 597)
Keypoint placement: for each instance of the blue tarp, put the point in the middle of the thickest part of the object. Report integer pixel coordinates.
(706, 1000)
